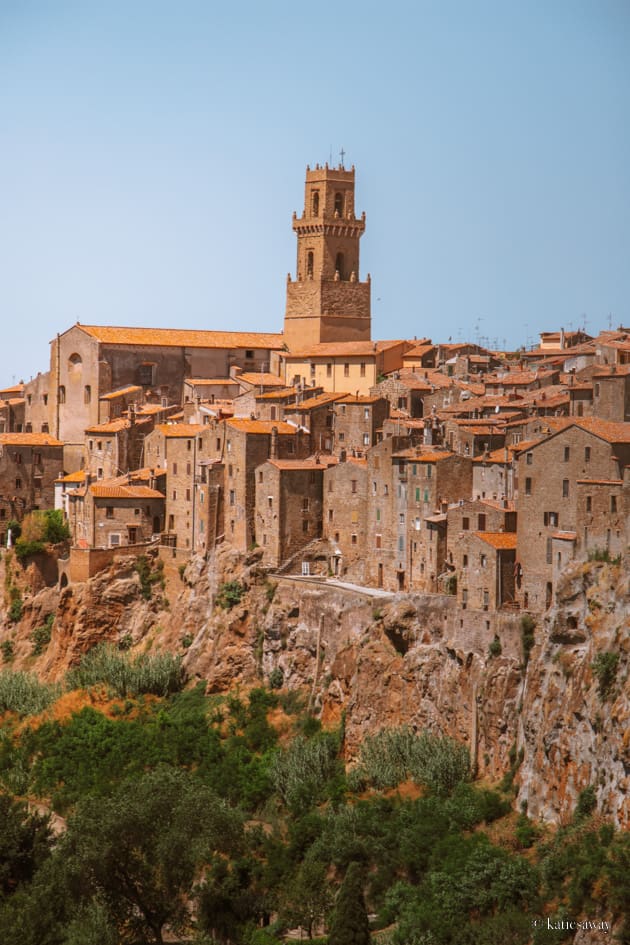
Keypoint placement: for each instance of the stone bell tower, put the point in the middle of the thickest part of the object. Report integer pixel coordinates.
(327, 302)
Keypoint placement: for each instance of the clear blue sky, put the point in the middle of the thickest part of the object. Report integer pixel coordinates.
(152, 153)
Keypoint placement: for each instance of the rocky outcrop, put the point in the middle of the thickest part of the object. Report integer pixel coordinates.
(574, 727)
(383, 661)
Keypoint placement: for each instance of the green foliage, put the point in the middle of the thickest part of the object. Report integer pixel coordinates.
(25, 842)
(40, 636)
(230, 594)
(159, 673)
(56, 528)
(450, 585)
(24, 694)
(26, 549)
(15, 607)
(140, 849)
(586, 803)
(528, 625)
(349, 925)
(38, 530)
(495, 648)
(7, 649)
(604, 668)
(276, 678)
(393, 755)
(603, 554)
(302, 773)
(149, 576)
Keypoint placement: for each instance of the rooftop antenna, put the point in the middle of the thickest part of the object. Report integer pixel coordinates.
(330, 158)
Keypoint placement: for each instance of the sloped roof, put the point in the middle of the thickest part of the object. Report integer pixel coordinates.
(181, 337)
(29, 439)
(124, 492)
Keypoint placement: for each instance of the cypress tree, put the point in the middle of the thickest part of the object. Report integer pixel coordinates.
(349, 924)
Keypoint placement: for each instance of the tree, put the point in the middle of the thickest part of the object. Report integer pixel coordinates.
(350, 924)
(25, 842)
(140, 849)
(308, 897)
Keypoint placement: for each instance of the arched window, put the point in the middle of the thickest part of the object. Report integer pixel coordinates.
(315, 203)
(62, 394)
(75, 361)
(309, 264)
(339, 204)
(339, 265)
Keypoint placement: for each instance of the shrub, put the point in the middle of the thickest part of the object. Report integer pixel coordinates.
(528, 625)
(148, 576)
(300, 772)
(23, 693)
(276, 678)
(495, 648)
(393, 755)
(7, 648)
(26, 549)
(604, 667)
(586, 803)
(40, 636)
(230, 594)
(15, 607)
(159, 673)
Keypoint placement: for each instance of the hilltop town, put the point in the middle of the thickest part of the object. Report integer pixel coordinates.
(402, 464)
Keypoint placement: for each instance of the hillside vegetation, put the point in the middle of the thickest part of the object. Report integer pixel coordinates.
(135, 809)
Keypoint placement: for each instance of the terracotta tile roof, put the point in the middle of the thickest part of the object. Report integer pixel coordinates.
(499, 540)
(14, 389)
(360, 398)
(429, 457)
(78, 476)
(565, 536)
(608, 430)
(262, 426)
(296, 464)
(207, 381)
(124, 492)
(419, 350)
(261, 379)
(498, 455)
(608, 371)
(121, 392)
(29, 439)
(173, 430)
(319, 401)
(343, 349)
(115, 426)
(283, 392)
(181, 337)
(14, 401)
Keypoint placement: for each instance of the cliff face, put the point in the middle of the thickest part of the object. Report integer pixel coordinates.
(383, 661)
(575, 723)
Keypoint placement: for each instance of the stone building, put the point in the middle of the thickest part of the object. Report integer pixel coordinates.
(589, 451)
(125, 510)
(611, 393)
(358, 420)
(288, 507)
(116, 447)
(343, 365)
(345, 504)
(89, 361)
(29, 465)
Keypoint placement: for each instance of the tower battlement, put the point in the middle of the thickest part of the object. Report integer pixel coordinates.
(327, 301)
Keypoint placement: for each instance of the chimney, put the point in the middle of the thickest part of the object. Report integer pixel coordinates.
(273, 446)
